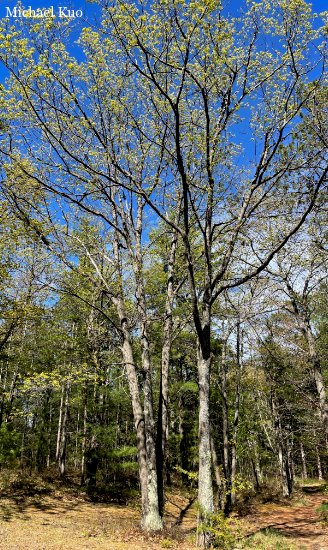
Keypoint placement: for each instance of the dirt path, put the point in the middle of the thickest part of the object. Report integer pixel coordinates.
(299, 522)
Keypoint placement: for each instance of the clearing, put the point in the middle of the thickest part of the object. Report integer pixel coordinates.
(38, 515)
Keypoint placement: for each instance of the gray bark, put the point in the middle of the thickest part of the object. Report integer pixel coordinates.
(219, 482)
(144, 425)
(162, 443)
(151, 519)
(303, 461)
(284, 473)
(235, 422)
(77, 436)
(63, 437)
(22, 449)
(225, 429)
(84, 440)
(60, 420)
(320, 476)
(4, 389)
(49, 436)
(281, 452)
(205, 486)
(258, 470)
(154, 512)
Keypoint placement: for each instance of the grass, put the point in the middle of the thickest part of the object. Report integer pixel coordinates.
(308, 481)
(269, 539)
(322, 510)
(323, 507)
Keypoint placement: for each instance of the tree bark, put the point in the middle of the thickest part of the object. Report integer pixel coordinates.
(220, 484)
(303, 461)
(281, 452)
(144, 422)
(60, 420)
(258, 470)
(150, 516)
(235, 422)
(63, 438)
(225, 430)
(2, 404)
(205, 486)
(91, 463)
(77, 435)
(154, 516)
(84, 440)
(162, 442)
(320, 476)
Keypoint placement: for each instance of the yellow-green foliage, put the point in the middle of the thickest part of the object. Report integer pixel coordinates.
(225, 531)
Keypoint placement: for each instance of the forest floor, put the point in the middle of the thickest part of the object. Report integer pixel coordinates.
(298, 520)
(39, 515)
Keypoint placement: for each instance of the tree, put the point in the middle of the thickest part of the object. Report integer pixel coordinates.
(189, 72)
(298, 275)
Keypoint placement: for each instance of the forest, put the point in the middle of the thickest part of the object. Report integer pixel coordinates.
(163, 255)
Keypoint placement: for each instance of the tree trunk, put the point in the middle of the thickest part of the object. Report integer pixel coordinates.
(150, 515)
(303, 461)
(255, 474)
(63, 438)
(151, 519)
(42, 448)
(4, 388)
(320, 476)
(22, 449)
(205, 486)
(259, 473)
(220, 484)
(235, 422)
(284, 474)
(154, 521)
(225, 429)
(84, 440)
(91, 464)
(281, 452)
(290, 463)
(60, 420)
(77, 436)
(162, 442)
(182, 443)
